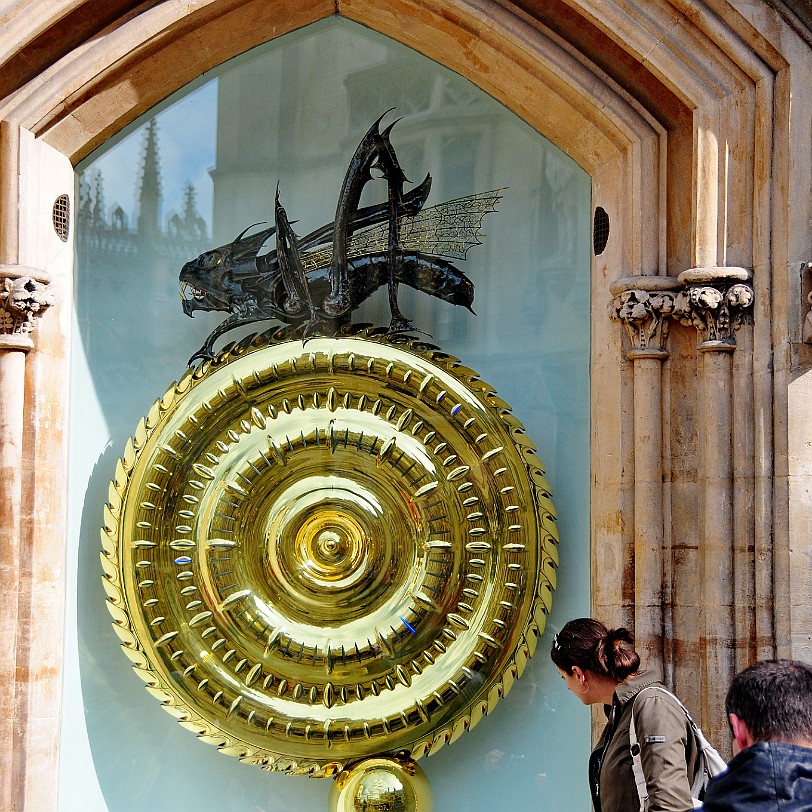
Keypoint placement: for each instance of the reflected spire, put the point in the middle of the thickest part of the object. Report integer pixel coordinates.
(149, 197)
(98, 199)
(190, 203)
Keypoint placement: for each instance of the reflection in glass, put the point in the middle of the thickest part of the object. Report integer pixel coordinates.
(189, 177)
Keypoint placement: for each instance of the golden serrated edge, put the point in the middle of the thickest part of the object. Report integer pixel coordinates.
(466, 718)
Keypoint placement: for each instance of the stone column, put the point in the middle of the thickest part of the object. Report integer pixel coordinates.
(24, 295)
(716, 301)
(643, 304)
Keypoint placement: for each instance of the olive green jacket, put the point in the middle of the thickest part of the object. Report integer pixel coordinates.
(668, 752)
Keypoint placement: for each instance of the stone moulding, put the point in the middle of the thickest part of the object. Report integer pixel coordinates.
(806, 329)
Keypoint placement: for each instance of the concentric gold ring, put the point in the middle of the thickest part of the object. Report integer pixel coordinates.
(319, 552)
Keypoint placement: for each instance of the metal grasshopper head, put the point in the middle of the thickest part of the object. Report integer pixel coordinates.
(216, 280)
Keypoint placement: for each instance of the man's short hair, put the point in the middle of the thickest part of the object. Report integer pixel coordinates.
(774, 699)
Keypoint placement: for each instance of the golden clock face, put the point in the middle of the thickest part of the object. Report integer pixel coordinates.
(319, 552)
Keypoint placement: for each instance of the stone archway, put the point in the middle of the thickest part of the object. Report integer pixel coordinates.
(681, 115)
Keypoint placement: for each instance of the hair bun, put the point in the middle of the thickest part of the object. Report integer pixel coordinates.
(623, 660)
(620, 635)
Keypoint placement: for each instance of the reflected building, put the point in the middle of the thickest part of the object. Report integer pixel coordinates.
(151, 245)
(445, 128)
(691, 125)
(142, 245)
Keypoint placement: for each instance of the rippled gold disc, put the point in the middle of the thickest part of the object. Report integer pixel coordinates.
(381, 785)
(320, 552)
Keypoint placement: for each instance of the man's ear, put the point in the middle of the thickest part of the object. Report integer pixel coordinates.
(741, 733)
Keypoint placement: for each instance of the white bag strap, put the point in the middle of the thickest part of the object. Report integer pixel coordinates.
(637, 762)
(710, 760)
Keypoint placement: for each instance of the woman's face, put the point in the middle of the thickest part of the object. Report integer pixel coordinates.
(575, 683)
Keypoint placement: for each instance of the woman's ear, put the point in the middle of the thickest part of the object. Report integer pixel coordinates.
(578, 673)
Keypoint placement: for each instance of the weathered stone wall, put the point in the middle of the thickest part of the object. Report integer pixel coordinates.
(681, 112)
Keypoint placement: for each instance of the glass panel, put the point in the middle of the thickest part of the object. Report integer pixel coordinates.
(192, 175)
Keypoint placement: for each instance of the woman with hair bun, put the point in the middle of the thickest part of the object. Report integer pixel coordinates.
(600, 665)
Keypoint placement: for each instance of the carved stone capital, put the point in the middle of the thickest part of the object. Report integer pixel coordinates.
(806, 279)
(24, 295)
(643, 305)
(717, 301)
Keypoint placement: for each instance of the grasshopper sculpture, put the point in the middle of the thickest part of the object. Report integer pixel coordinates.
(318, 280)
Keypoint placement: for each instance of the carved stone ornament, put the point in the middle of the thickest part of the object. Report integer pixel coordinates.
(645, 316)
(806, 330)
(715, 310)
(21, 299)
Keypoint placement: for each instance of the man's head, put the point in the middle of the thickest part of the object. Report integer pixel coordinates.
(771, 701)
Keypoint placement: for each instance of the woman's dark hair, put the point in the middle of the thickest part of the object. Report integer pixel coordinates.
(592, 647)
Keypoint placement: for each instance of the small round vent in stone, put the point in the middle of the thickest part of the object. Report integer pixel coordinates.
(600, 231)
(61, 217)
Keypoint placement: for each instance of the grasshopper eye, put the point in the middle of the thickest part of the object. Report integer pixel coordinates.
(210, 260)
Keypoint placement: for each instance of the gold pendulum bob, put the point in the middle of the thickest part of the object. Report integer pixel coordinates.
(317, 553)
(381, 785)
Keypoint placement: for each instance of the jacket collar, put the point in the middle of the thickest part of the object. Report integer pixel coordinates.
(631, 686)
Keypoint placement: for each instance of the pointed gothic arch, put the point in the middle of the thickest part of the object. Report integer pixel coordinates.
(681, 113)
